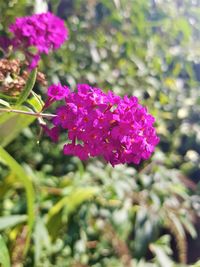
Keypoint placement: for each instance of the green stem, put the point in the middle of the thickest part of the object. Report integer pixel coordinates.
(36, 114)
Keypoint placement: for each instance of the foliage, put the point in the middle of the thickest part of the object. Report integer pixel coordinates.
(64, 212)
(4, 255)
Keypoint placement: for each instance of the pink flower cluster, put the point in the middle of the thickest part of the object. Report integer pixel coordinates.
(103, 124)
(44, 31)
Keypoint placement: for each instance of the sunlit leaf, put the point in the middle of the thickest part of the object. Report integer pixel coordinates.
(25, 180)
(4, 254)
(161, 256)
(12, 220)
(36, 102)
(4, 103)
(11, 125)
(71, 203)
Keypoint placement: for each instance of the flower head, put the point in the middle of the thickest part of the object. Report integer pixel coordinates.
(103, 124)
(43, 31)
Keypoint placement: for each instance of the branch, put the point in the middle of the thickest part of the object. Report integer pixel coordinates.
(37, 114)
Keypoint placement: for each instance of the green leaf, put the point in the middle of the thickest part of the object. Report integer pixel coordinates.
(4, 103)
(71, 203)
(197, 264)
(4, 254)
(5, 116)
(189, 226)
(73, 200)
(41, 239)
(12, 220)
(146, 226)
(177, 224)
(30, 195)
(28, 87)
(11, 125)
(36, 102)
(183, 25)
(11, 99)
(163, 259)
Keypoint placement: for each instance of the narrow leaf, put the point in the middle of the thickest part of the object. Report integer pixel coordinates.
(4, 255)
(163, 259)
(28, 87)
(12, 220)
(4, 103)
(22, 176)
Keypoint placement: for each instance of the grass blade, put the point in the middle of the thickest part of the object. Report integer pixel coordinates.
(30, 195)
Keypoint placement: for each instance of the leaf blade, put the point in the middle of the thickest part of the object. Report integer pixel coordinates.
(30, 194)
(12, 220)
(4, 254)
(28, 87)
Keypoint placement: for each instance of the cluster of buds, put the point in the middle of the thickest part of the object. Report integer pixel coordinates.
(13, 76)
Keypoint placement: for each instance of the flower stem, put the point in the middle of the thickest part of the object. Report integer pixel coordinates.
(36, 114)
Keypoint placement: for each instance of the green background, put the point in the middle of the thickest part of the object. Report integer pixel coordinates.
(88, 213)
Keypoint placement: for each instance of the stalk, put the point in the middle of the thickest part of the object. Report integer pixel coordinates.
(36, 114)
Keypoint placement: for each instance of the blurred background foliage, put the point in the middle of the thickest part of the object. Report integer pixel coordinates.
(87, 213)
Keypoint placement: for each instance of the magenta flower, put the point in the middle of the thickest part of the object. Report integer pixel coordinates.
(53, 133)
(73, 149)
(57, 92)
(102, 124)
(43, 31)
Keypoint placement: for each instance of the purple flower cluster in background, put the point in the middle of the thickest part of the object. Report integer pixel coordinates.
(43, 31)
(103, 124)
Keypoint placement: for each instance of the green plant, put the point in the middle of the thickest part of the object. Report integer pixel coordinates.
(59, 211)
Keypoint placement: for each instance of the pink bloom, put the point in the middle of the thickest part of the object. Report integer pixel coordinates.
(34, 61)
(118, 129)
(53, 133)
(57, 92)
(43, 31)
(76, 150)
